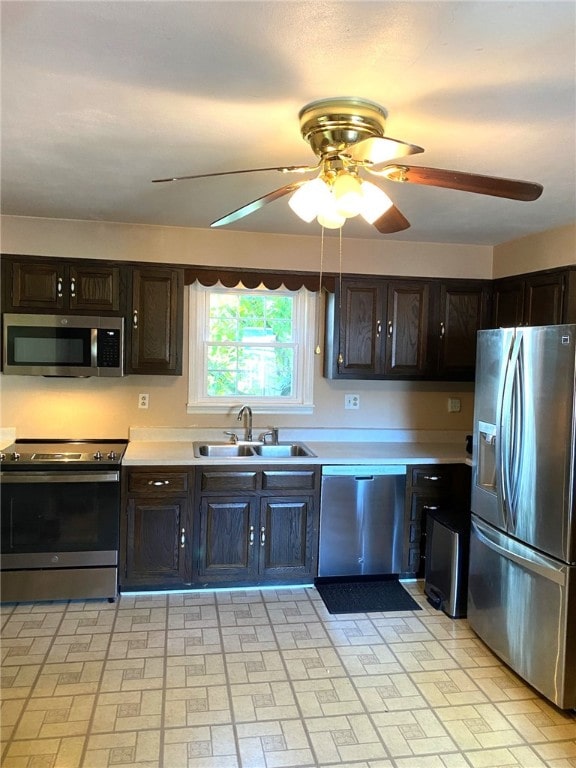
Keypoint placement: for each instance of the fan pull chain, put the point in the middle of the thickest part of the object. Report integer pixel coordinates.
(319, 302)
(340, 356)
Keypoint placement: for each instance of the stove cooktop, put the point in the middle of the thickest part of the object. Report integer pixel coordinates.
(66, 452)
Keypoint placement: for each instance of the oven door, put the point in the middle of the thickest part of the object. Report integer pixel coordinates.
(60, 534)
(59, 519)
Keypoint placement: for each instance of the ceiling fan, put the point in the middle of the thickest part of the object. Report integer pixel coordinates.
(347, 136)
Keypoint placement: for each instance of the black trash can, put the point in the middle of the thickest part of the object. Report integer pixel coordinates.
(447, 557)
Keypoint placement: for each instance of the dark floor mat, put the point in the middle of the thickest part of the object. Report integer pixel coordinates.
(366, 596)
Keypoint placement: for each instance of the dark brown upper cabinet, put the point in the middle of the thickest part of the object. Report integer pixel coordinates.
(539, 298)
(154, 327)
(83, 287)
(405, 329)
(463, 310)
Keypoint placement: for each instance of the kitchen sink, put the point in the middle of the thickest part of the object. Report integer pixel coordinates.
(282, 450)
(251, 450)
(223, 450)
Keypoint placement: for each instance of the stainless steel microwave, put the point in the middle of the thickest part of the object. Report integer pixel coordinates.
(62, 345)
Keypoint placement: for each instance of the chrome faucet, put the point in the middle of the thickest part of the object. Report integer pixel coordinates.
(248, 411)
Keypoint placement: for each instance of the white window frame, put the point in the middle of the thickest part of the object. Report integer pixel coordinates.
(304, 327)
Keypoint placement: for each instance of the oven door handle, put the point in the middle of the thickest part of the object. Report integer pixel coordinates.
(59, 477)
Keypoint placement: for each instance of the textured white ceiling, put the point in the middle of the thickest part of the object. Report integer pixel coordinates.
(99, 98)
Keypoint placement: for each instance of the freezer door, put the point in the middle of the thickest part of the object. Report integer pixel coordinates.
(523, 606)
(536, 456)
(493, 353)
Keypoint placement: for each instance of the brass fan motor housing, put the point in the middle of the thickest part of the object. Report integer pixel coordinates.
(331, 125)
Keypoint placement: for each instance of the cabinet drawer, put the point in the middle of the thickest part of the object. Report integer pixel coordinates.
(431, 478)
(157, 482)
(227, 480)
(287, 480)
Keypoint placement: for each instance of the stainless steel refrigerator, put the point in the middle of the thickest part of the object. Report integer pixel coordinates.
(522, 579)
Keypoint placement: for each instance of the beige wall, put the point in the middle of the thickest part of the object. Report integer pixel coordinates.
(77, 408)
(554, 248)
(133, 242)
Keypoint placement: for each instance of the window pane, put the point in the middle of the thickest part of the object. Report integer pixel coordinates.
(257, 371)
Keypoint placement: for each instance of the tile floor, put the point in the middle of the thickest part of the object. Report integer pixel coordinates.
(263, 679)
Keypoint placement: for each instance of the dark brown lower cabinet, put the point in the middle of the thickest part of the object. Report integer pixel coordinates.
(430, 488)
(256, 526)
(226, 538)
(156, 529)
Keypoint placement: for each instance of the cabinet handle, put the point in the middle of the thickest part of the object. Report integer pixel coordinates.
(59, 284)
(251, 537)
(182, 538)
(442, 330)
(135, 319)
(158, 482)
(262, 536)
(428, 506)
(378, 328)
(72, 286)
(432, 477)
(390, 329)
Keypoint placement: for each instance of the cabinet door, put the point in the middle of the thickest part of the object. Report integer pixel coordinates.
(508, 303)
(429, 488)
(228, 540)
(157, 535)
(543, 299)
(156, 324)
(95, 288)
(360, 333)
(37, 285)
(407, 328)
(286, 539)
(462, 313)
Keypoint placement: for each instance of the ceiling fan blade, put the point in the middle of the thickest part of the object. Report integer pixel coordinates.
(376, 150)
(391, 221)
(282, 168)
(255, 205)
(512, 189)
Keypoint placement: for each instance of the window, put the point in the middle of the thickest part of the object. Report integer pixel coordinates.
(251, 346)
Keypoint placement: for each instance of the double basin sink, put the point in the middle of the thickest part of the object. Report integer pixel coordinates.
(251, 450)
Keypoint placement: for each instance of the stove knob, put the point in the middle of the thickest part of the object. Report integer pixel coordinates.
(98, 456)
(15, 456)
(112, 455)
(2, 457)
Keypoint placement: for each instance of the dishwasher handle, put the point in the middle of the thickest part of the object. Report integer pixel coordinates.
(363, 471)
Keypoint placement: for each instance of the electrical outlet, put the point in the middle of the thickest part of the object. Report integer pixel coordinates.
(352, 401)
(454, 405)
(143, 401)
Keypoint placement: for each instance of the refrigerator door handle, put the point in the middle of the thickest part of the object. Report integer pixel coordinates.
(510, 430)
(538, 564)
(517, 415)
(503, 434)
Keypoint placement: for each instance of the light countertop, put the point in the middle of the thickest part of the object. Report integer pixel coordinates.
(181, 453)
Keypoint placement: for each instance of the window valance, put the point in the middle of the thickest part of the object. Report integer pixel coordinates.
(252, 278)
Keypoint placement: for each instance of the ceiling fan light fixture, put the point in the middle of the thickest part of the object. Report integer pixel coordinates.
(329, 217)
(375, 202)
(309, 199)
(347, 191)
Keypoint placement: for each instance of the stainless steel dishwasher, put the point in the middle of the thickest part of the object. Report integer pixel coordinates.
(361, 520)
